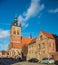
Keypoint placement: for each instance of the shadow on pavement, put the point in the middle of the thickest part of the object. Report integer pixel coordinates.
(9, 61)
(56, 63)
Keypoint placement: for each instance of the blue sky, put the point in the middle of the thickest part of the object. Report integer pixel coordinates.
(34, 15)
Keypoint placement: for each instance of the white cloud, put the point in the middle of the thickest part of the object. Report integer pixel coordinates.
(26, 25)
(53, 10)
(33, 10)
(4, 33)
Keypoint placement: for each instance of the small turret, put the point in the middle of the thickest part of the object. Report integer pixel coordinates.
(15, 23)
(30, 35)
(20, 25)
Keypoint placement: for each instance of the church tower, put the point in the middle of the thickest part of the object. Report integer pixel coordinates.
(15, 33)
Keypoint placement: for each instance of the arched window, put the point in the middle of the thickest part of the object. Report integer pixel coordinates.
(41, 37)
(14, 32)
(17, 32)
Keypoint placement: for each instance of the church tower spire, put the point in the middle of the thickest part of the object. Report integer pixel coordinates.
(31, 35)
(15, 23)
(15, 32)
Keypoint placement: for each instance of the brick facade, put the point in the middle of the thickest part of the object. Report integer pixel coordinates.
(32, 50)
(17, 42)
(46, 45)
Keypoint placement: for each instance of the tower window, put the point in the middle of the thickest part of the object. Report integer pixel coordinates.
(18, 32)
(14, 32)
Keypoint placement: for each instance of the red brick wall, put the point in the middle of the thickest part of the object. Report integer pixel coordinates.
(49, 45)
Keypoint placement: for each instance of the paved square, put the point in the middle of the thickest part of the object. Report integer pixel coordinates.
(29, 63)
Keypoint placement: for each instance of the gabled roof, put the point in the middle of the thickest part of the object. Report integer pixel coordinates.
(48, 34)
(25, 41)
(33, 41)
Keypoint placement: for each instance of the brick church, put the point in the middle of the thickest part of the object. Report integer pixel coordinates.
(45, 45)
(17, 42)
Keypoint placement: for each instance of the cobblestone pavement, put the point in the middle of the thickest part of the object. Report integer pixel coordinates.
(29, 63)
(16, 62)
